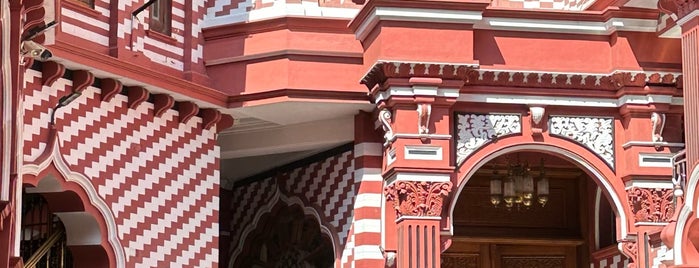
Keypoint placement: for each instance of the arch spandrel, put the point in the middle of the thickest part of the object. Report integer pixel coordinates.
(582, 157)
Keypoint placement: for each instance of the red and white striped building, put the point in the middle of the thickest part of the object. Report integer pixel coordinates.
(338, 133)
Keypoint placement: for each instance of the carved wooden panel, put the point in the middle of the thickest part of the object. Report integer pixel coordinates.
(533, 262)
(459, 260)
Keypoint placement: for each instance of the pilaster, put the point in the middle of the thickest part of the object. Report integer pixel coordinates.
(414, 102)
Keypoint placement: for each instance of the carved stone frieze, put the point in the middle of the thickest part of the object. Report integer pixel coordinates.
(475, 130)
(383, 70)
(612, 81)
(651, 205)
(418, 198)
(595, 133)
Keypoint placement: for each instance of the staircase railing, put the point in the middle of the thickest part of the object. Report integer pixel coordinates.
(41, 252)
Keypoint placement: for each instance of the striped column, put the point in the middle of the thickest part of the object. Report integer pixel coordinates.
(367, 226)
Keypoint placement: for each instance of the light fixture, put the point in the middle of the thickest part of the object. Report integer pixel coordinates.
(516, 189)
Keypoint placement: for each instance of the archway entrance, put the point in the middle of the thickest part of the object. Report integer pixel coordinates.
(530, 209)
(43, 235)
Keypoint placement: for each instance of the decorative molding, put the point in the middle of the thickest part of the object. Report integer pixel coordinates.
(162, 103)
(382, 70)
(533, 261)
(658, 125)
(418, 198)
(595, 133)
(651, 205)
(82, 79)
(386, 118)
(424, 111)
(136, 96)
(630, 249)
(537, 113)
(187, 110)
(459, 260)
(475, 130)
(613, 81)
(685, 8)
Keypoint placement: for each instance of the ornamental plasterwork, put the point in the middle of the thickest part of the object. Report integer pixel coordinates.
(475, 130)
(595, 133)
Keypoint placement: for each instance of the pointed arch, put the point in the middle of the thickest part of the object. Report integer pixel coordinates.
(275, 200)
(52, 173)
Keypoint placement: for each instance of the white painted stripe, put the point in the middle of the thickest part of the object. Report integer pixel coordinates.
(367, 226)
(89, 20)
(368, 174)
(368, 252)
(368, 200)
(368, 149)
(84, 34)
(570, 101)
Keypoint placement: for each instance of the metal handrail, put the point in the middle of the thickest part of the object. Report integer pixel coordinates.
(43, 249)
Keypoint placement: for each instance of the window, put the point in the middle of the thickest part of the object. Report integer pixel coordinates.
(160, 16)
(88, 3)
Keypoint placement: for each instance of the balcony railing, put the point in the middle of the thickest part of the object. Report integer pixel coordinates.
(679, 174)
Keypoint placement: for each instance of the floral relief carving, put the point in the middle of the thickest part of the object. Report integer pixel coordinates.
(595, 133)
(418, 198)
(651, 205)
(475, 130)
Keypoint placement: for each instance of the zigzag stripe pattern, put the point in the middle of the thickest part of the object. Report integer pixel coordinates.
(159, 176)
(246, 201)
(327, 185)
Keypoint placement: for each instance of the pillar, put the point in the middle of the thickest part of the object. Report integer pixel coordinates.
(418, 205)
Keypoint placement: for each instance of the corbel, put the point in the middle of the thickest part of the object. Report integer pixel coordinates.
(658, 125)
(136, 95)
(81, 80)
(225, 122)
(51, 71)
(209, 117)
(110, 88)
(162, 103)
(537, 116)
(187, 110)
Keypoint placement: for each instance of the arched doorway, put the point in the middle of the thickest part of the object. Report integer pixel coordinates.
(289, 238)
(43, 235)
(560, 219)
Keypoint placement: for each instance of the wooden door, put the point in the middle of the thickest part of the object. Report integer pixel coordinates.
(534, 256)
(492, 255)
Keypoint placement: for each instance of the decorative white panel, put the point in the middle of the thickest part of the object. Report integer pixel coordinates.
(475, 130)
(595, 133)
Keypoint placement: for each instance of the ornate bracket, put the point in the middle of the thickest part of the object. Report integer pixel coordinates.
(424, 111)
(385, 117)
(475, 130)
(595, 133)
(418, 198)
(651, 205)
(537, 114)
(658, 122)
(630, 249)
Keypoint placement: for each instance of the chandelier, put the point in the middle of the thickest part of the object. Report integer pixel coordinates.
(516, 189)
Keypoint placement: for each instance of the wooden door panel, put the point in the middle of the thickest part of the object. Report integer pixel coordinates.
(492, 255)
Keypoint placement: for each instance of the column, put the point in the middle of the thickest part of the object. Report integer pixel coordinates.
(418, 205)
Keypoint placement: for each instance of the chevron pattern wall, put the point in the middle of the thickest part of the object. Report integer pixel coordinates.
(158, 175)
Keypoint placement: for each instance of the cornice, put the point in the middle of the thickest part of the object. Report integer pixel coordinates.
(384, 70)
(591, 16)
(303, 24)
(239, 100)
(139, 73)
